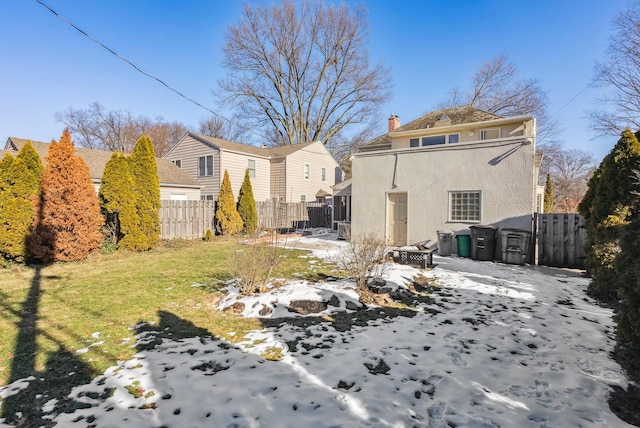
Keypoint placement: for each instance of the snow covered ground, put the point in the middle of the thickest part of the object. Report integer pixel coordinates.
(495, 345)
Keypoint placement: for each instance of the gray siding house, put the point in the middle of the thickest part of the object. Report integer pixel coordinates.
(447, 170)
(301, 172)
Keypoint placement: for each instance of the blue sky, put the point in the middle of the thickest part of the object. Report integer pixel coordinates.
(431, 46)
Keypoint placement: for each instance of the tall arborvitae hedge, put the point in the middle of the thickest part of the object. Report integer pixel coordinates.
(628, 311)
(228, 221)
(606, 208)
(30, 182)
(247, 206)
(144, 170)
(548, 195)
(117, 202)
(68, 220)
(18, 196)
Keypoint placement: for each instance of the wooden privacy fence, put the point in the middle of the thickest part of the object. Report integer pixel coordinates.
(276, 215)
(191, 219)
(186, 219)
(561, 239)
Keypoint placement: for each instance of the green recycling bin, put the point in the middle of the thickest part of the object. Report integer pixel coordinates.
(464, 245)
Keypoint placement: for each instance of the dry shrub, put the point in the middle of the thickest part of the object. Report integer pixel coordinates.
(253, 264)
(364, 260)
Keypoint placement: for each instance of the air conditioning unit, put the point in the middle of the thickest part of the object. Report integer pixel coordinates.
(344, 230)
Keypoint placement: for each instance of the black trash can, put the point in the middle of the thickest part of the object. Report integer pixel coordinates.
(483, 242)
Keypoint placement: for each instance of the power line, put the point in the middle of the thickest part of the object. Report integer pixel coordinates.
(138, 69)
(572, 99)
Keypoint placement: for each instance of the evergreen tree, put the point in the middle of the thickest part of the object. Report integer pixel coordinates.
(628, 313)
(16, 214)
(228, 221)
(5, 170)
(548, 195)
(68, 220)
(247, 206)
(117, 202)
(606, 208)
(18, 196)
(144, 170)
(34, 169)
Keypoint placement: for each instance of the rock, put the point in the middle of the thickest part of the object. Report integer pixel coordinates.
(265, 310)
(352, 306)
(334, 301)
(236, 308)
(306, 307)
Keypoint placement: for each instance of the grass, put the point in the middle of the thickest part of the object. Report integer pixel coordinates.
(53, 317)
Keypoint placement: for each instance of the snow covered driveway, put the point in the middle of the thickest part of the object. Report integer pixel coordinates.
(497, 345)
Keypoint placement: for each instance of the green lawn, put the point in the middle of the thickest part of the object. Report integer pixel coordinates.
(48, 314)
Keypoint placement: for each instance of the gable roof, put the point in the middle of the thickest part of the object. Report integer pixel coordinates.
(168, 173)
(457, 116)
(451, 116)
(231, 146)
(265, 152)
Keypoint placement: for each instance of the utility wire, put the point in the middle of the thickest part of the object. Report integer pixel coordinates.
(138, 69)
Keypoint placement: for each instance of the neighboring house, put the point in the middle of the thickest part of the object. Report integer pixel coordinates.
(175, 184)
(294, 173)
(448, 170)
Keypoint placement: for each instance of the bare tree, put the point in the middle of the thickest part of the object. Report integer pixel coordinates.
(571, 173)
(164, 135)
(621, 74)
(117, 130)
(217, 127)
(299, 71)
(496, 88)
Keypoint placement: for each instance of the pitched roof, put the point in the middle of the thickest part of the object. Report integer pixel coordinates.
(457, 115)
(96, 160)
(452, 116)
(273, 152)
(231, 145)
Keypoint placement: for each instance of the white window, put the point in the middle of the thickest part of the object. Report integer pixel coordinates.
(324, 174)
(251, 166)
(464, 206)
(178, 197)
(303, 198)
(206, 197)
(177, 162)
(307, 173)
(205, 166)
(434, 140)
(490, 134)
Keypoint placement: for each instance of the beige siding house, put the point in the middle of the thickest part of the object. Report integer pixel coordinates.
(448, 170)
(289, 173)
(303, 172)
(175, 184)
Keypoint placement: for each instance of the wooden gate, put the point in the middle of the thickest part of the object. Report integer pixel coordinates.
(561, 239)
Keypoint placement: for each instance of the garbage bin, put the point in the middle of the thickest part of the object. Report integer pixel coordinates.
(445, 238)
(483, 242)
(463, 242)
(515, 246)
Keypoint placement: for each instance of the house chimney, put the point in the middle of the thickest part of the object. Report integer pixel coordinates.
(394, 122)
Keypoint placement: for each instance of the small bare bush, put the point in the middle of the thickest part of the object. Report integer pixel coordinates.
(254, 263)
(364, 260)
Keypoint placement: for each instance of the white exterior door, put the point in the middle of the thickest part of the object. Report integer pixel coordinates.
(397, 219)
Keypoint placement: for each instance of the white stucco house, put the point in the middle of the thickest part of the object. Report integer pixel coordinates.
(447, 170)
(293, 173)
